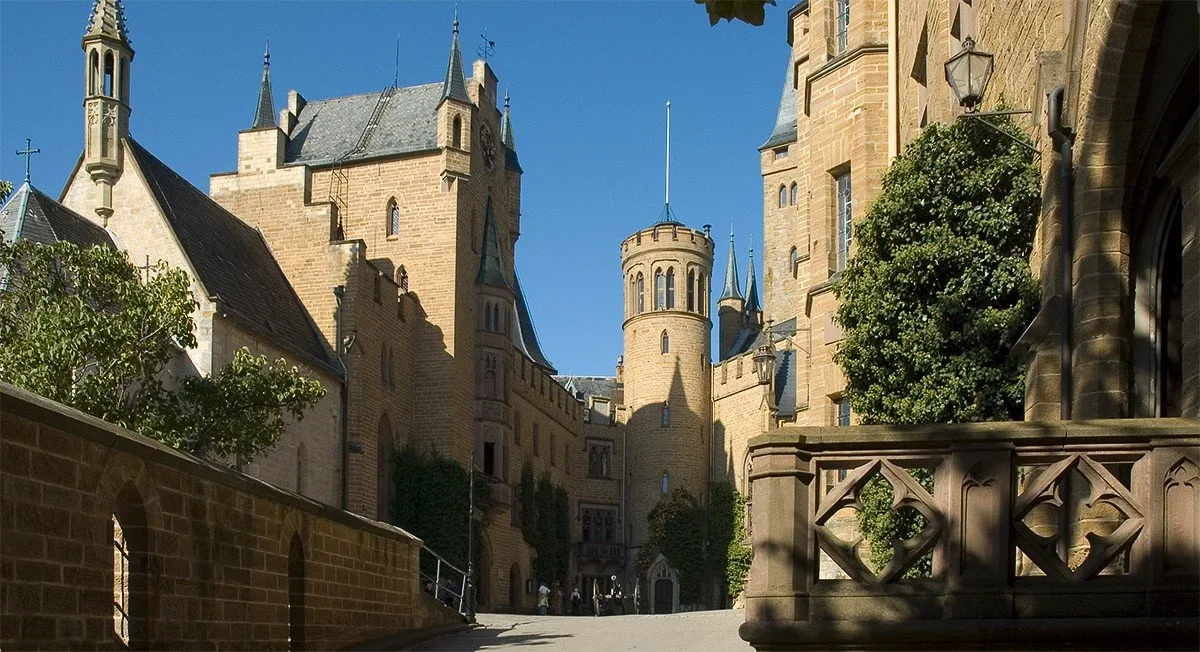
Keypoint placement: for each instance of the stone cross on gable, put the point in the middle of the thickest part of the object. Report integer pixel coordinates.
(28, 153)
(147, 268)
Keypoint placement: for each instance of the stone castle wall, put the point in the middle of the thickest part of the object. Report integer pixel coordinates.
(215, 557)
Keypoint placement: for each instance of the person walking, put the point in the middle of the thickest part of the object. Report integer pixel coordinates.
(575, 600)
(559, 603)
(543, 599)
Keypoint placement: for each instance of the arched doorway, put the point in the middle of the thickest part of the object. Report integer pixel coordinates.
(296, 594)
(514, 587)
(664, 585)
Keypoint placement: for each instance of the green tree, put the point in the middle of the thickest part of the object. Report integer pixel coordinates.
(747, 11)
(5, 189)
(431, 500)
(940, 286)
(80, 326)
(936, 296)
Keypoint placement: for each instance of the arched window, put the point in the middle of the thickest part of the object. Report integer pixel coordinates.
(124, 85)
(701, 297)
(128, 531)
(666, 342)
(487, 317)
(456, 136)
(301, 468)
(403, 274)
(110, 71)
(489, 384)
(795, 194)
(393, 218)
(782, 196)
(666, 483)
(666, 415)
(95, 73)
(296, 594)
(641, 293)
(660, 289)
(794, 263)
(496, 318)
(391, 368)
(670, 288)
(691, 290)
(383, 365)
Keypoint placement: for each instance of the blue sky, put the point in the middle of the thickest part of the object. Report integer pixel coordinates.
(588, 80)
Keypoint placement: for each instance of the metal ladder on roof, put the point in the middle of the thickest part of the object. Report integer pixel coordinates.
(339, 181)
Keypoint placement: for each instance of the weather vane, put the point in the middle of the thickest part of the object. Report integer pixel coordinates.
(488, 49)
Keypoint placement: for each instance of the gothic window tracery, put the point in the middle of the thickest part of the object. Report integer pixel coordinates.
(670, 288)
(393, 218)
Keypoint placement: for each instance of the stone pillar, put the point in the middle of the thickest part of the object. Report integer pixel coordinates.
(975, 485)
(784, 567)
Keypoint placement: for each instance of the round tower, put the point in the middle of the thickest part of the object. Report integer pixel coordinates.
(667, 372)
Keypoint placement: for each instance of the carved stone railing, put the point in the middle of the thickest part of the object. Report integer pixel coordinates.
(1022, 535)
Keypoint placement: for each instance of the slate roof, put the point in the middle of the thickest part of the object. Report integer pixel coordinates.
(752, 337)
(327, 129)
(785, 121)
(752, 303)
(454, 86)
(785, 382)
(30, 215)
(526, 338)
(233, 262)
(598, 386)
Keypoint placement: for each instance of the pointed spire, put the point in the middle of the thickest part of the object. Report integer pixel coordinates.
(264, 115)
(491, 265)
(455, 85)
(731, 291)
(752, 305)
(108, 19)
(506, 130)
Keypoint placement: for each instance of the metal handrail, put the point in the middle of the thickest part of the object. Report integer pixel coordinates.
(436, 579)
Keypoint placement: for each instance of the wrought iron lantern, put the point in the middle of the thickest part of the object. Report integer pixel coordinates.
(764, 363)
(968, 73)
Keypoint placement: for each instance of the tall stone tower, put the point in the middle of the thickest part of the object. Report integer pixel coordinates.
(107, 54)
(668, 392)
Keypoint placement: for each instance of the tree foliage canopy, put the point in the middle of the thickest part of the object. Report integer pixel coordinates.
(545, 525)
(940, 287)
(431, 500)
(747, 11)
(81, 327)
(727, 536)
(677, 531)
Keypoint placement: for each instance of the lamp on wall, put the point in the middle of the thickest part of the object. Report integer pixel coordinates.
(968, 74)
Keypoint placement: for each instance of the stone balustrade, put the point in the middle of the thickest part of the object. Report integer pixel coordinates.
(1026, 535)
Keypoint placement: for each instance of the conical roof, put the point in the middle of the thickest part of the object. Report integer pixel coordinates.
(752, 304)
(506, 130)
(491, 265)
(455, 85)
(731, 291)
(264, 114)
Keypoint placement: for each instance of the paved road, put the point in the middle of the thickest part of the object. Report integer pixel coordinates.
(700, 630)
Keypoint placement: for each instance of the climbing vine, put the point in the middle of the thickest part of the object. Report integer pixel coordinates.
(727, 536)
(677, 531)
(545, 525)
(431, 502)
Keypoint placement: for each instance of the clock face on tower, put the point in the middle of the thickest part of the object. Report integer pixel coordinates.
(488, 144)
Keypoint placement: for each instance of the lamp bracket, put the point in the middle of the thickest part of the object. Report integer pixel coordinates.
(982, 117)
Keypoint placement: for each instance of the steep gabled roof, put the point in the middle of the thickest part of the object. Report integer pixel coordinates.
(731, 291)
(454, 86)
(588, 386)
(233, 262)
(30, 215)
(491, 266)
(752, 304)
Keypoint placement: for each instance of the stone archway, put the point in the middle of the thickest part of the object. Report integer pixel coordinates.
(1134, 149)
(514, 587)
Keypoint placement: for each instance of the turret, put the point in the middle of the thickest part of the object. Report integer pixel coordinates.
(261, 147)
(454, 111)
(107, 55)
(729, 306)
(666, 371)
(495, 315)
(753, 311)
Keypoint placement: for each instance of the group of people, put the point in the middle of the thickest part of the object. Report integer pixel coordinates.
(603, 604)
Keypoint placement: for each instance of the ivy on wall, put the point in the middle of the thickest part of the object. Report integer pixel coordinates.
(677, 531)
(431, 503)
(727, 536)
(545, 526)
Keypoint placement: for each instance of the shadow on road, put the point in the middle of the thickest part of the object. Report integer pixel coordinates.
(489, 637)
